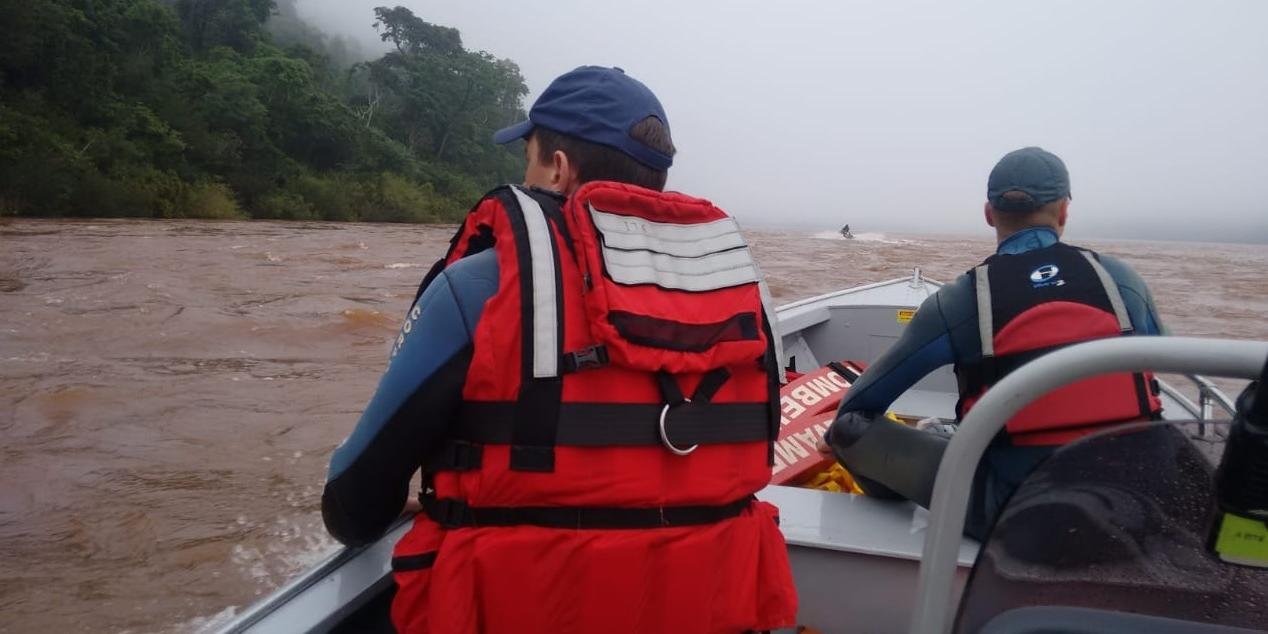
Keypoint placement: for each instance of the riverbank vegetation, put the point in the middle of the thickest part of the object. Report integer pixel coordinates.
(238, 108)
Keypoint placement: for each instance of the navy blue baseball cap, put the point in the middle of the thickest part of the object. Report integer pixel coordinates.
(1037, 173)
(599, 105)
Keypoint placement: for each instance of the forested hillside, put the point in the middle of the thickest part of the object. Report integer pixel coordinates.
(237, 108)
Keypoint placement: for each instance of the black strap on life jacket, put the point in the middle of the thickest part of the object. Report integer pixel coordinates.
(1143, 390)
(453, 513)
(977, 376)
(619, 424)
(406, 563)
(774, 376)
(537, 408)
(553, 206)
(459, 454)
(482, 241)
(672, 395)
(705, 390)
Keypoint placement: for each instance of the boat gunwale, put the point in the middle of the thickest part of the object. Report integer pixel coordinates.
(825, 297)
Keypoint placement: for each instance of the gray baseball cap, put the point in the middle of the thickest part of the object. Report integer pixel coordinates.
(1039, 175)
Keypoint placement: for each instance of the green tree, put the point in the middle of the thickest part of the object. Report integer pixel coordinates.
(444, 102)
(238, 24)
(170, 108)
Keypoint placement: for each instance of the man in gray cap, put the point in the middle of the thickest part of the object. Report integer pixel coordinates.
(1036, 294)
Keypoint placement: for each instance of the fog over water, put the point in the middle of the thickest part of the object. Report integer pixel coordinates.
(889, 115)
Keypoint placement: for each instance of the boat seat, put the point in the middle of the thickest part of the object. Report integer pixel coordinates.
(1063, 620)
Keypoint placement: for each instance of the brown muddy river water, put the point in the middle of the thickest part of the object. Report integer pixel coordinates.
(170, 391)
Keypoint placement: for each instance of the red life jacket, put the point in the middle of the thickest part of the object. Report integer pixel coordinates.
(1032, 303)
(617, 419)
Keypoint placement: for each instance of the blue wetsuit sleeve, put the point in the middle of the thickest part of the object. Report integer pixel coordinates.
(1136, 297)
(923, 347)
(412, 408)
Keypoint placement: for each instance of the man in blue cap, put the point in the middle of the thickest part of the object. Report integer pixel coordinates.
(593, 123)
(1034, 295)
(527, 562)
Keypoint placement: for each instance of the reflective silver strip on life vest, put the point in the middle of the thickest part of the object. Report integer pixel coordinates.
(696, 257)
(544, 301)
(631, 233)
(985, 320)
(1111, 289)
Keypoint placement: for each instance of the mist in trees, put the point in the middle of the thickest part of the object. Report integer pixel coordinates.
(236, 108)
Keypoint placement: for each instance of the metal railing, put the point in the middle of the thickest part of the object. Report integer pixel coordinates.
(1209, 396)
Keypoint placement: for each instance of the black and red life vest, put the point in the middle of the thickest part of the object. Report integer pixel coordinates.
(1032, 303)
(617, 419)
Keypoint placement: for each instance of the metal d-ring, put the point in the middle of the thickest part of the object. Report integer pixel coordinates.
(664, 437)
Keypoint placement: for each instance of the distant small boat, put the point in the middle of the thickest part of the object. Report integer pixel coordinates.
(845, 233)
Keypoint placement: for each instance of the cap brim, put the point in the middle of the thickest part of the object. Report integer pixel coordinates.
(512, 133)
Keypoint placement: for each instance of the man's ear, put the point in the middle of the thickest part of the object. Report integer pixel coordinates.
(563, 173)
(1063, 214)
(989, 214)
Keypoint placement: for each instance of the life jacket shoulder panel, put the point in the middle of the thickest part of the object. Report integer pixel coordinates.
(670, 283)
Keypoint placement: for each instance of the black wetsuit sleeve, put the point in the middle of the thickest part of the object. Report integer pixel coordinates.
(360, 503)
(413, 408)
(924, 346)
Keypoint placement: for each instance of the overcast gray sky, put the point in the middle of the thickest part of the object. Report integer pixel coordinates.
(889, 115)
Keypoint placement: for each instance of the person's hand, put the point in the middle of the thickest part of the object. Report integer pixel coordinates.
(822, 446)
(412, 507)
(846, 429)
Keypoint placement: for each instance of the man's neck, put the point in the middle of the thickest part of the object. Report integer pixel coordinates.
(1027, 239)
(1002, 234)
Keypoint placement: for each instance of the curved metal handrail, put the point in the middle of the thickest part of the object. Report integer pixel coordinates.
(1184, 355)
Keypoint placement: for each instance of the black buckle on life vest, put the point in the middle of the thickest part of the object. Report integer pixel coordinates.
(449, 512)
(459, 455)
(591, 358)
